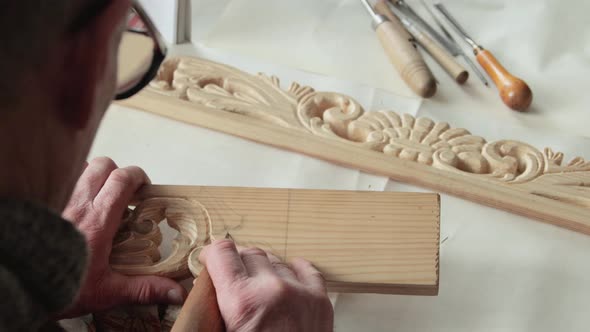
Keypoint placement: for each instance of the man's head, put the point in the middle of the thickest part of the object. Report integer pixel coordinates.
(58, 68)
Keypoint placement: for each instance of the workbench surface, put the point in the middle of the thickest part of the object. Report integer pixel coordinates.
(498, 271)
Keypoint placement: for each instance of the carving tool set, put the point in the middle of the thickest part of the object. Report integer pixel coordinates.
(400, 28)
(402, 53)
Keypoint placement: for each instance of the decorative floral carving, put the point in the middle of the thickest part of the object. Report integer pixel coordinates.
(339, 117)
(421, 140)
(554, 163)
(218, 87)
(135, 250)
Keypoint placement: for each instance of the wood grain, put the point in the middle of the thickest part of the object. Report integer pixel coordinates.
(506, 174)
(370, 242)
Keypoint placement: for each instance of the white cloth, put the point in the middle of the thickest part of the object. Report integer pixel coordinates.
(546, 42)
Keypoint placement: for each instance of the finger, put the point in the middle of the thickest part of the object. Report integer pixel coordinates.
(256, 261)
(309, 275)
(92, 179)
(223, 262)
(116, 194)
(281, 268)
(144, 290)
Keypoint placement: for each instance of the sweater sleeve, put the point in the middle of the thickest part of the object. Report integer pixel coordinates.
(42, 261)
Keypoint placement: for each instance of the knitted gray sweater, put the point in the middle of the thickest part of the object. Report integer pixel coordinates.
(42, 262)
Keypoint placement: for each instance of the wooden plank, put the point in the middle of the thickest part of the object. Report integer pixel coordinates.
(374, 242)
(506, 174)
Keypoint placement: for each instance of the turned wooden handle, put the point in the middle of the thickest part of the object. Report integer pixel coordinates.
(406, 59)
(446, 60)
(200, 312)
(402, 53)
(382, 8)
(515, 93)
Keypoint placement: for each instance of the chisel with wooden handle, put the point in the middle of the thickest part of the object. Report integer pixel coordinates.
(450, 44)
(402, 53)
(515, 93)
(444, 59)
(200, 312)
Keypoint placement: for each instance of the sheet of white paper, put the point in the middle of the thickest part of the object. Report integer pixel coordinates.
(544, 41)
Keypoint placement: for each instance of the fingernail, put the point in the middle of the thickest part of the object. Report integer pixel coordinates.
(175, 296)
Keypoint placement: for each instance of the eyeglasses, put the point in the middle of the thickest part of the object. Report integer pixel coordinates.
(141, 52)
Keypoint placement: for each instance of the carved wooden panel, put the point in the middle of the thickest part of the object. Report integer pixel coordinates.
(369, 242)
(505, 174)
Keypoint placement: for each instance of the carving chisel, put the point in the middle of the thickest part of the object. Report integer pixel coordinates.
(407, 10)
(447, 42)
(446, 61)
(515, 93)
(457, 50)
(402, 53)
(200, 312)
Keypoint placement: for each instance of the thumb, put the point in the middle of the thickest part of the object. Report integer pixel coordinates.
(146, 290)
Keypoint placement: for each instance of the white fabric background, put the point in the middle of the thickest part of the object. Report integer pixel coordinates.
(547, 42)
(499, 272)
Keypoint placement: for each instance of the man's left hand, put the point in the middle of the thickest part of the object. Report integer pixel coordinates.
(96, 207)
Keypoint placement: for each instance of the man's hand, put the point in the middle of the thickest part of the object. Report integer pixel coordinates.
(257, 292)
(96, 207)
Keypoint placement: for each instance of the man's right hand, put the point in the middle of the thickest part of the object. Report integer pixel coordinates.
(258, 292)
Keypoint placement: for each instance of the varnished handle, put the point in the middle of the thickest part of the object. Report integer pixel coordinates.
(515, 93)
(402, 53)
(446, 60)
(200, 312)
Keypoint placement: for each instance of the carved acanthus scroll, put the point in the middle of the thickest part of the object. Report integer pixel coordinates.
(507, 174)
(136, 247)
(339, 117)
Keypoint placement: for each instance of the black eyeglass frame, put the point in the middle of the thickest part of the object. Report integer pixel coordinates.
(160, 50)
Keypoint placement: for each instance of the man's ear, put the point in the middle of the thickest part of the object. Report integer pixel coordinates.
(88, 58)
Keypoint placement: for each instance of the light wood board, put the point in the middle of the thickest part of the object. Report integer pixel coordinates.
(506, 174)
(369, 242)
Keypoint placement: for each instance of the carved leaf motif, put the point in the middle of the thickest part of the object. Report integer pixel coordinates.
(420, 140)
(328, 114)
(514, 161)
(136, 248)
(554, 163)
(220, 87)
(340, 117)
